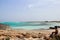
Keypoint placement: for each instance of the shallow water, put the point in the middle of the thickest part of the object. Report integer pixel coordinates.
(31, 25)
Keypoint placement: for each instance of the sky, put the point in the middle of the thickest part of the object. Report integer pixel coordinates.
(29, 10)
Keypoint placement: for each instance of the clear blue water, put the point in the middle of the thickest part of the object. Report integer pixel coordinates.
(31, 25)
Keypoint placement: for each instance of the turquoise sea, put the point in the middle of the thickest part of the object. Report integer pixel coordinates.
(31, 25)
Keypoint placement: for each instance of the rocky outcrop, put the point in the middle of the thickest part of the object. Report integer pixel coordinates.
(51, 28)
(4, 27)
(54, 27)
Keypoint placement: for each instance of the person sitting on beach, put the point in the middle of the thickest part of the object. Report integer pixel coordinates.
(55, 32)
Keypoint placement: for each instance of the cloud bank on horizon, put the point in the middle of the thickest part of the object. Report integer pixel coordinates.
(29, 10)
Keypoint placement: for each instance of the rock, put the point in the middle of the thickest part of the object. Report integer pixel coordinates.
(51, 28)
(4, 27)
(58, 26)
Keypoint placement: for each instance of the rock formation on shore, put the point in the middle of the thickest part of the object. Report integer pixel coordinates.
(4, 27)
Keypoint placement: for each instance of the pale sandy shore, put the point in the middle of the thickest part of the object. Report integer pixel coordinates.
(25, 34)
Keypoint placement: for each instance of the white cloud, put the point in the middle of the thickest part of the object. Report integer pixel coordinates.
(49, 3)
(44, 10)
(30, 6)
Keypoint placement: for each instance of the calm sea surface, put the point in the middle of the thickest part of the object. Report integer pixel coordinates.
(31, 25)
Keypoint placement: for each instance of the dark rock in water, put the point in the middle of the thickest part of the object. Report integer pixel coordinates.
(58, 26)
(54, 27)
(51, 28)
(4, 27)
